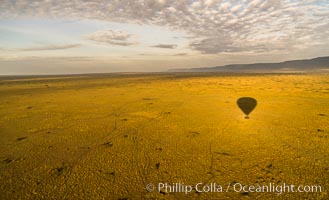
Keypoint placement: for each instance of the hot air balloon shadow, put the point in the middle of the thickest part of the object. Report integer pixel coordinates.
(247, 104)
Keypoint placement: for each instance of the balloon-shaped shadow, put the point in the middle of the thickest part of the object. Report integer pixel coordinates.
(247, 104)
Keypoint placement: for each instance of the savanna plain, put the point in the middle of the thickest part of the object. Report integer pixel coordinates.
(106, 136)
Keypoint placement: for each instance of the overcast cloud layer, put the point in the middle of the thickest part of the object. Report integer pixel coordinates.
(77, 36)
(214, 26)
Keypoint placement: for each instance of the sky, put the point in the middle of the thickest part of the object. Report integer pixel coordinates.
(77, 36)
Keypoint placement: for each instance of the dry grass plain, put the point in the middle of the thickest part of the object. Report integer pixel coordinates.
(107, 136)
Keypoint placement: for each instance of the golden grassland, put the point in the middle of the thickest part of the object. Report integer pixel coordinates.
(107, 136)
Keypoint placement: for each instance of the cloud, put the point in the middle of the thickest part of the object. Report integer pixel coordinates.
(50, 47)
(52, 58)
(112, 37)
(236, 8)
(225, 6)
(215, 26)
(180, 54)
(7, 58)
(165, 46)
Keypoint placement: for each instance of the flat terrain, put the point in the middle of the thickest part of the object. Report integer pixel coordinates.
(108, 136)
